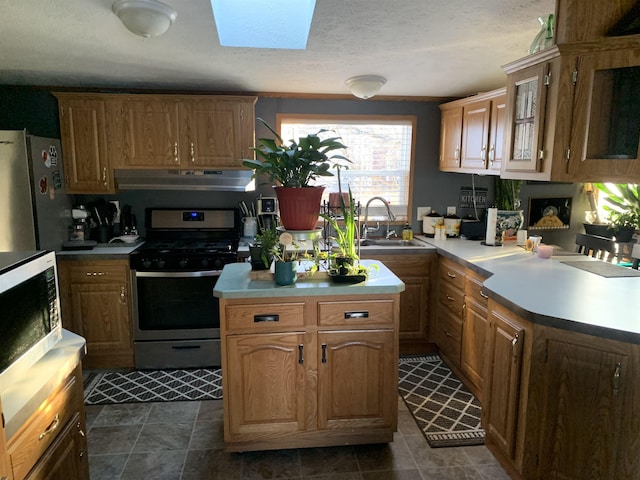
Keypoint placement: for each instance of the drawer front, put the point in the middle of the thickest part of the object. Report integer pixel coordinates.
(452, 298)
(451, 273)
(104, 273)
(448, 335)
(41, 430)
(473, 288)
(264, 316)
(372, 312)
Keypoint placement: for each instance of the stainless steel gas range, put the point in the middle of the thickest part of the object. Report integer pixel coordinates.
(176, 318)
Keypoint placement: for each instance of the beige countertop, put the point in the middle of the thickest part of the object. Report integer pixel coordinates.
(236, 282)
(552, 293)
(21, 398)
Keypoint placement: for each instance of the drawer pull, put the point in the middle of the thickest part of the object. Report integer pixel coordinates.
(450, 298)
(451, 275)
(616, 379)
(300, 355)
(483, 295)
(186, 347)
(447, 334)
(53, 426)
(266, 318)
(362, 314)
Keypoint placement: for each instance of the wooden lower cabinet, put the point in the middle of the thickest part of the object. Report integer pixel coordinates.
(560, 404)
(5, 464)
(326, 376)
(96, 304)
(418, 273)
(52, 444)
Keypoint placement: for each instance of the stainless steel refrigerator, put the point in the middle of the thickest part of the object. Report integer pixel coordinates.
(35, 212)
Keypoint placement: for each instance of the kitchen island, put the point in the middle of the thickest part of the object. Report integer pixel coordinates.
(308, 365)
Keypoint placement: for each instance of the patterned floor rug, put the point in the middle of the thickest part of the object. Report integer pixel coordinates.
(447, 413)
(152, 386)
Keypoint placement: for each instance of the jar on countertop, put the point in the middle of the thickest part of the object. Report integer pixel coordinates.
(452, 225)
(429, 223)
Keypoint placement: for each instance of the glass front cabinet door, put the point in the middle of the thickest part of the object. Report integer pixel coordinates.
(526, 93)
(605, 136)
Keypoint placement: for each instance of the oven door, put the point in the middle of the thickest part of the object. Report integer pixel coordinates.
(175, 305)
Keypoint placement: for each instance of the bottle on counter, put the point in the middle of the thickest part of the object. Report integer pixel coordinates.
(407, 233)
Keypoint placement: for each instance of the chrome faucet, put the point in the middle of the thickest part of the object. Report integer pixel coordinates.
(390, 217)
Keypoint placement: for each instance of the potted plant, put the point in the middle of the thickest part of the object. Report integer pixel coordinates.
(286, 260)
(622, 203)
(510, 216)
(292, 167)
(344, 262)
(261, 249)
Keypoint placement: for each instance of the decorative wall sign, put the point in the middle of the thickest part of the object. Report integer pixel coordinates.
(467, 197)
(549, 213)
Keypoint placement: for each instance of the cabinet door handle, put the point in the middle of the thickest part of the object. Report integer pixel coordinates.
(447, 334)
(483, 295)
(483, 153)
(514, 345)
(192, 151)
(53, 426)
(324, 353)
(451, 275)
(450, 298)
(176, 158)
(456, 154)
(362, 314)
(300, 355)
(492, 154)
(104, 177)
(123, 295)
(266, 318)
(616, 379)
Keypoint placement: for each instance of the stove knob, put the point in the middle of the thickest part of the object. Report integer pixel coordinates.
(204, 262)
(183, 263)
(160, 263)
(146, 263)
(217, 263)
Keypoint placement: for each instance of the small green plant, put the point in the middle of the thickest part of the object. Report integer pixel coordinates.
(266, 239)
(345, 234)
(507, 193)
(623, 220)
(298, 163)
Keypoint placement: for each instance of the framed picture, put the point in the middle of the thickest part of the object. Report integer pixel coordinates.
(549, 213)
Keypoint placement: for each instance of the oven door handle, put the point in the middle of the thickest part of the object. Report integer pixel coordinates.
(207, 273)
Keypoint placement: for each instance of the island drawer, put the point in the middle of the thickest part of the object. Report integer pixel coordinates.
(264, 316)
(44, 426)
(451, 273)
(369, 312)
(452, 298)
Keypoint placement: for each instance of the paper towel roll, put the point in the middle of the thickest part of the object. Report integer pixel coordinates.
(492, 220)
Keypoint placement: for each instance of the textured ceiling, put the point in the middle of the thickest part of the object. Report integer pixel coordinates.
(424, 48)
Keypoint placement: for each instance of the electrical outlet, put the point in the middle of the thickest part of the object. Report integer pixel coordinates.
(451, 210)
(422, 211)
(116, 217)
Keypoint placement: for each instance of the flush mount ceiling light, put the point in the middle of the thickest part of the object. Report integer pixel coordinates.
(260, 24)
(147, 18)
(365, 86)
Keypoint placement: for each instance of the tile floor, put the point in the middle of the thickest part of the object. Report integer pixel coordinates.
(184, 441)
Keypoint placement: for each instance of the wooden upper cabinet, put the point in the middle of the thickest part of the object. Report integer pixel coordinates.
(85, 146)
(149, 132)
(589, 20)
(470, 128)
(605, 135)
(185, 131)
(475, 134)
(450, 138)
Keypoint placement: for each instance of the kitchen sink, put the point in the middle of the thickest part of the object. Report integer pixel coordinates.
(391, 242)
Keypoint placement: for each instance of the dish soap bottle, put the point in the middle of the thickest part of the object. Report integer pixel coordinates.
(407, 233)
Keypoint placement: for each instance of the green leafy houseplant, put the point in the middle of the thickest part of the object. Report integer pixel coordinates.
(622, 203)
(266, 240)
(298, 163)
(507, 192)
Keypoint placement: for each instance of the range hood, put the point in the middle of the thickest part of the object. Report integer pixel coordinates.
(205, 180)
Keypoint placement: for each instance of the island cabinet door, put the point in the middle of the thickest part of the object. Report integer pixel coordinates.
(357, 379)
(265, 384)
(582, 398)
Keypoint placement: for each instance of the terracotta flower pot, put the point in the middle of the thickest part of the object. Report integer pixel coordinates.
(299, 207)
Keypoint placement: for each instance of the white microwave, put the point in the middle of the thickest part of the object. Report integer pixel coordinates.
(30, 322)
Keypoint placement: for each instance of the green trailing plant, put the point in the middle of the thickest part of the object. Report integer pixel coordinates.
(298, 163)
(507, 192)
(266, 239)
(345, 234)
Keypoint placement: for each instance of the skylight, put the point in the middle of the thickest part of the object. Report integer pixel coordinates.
(263, 23)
